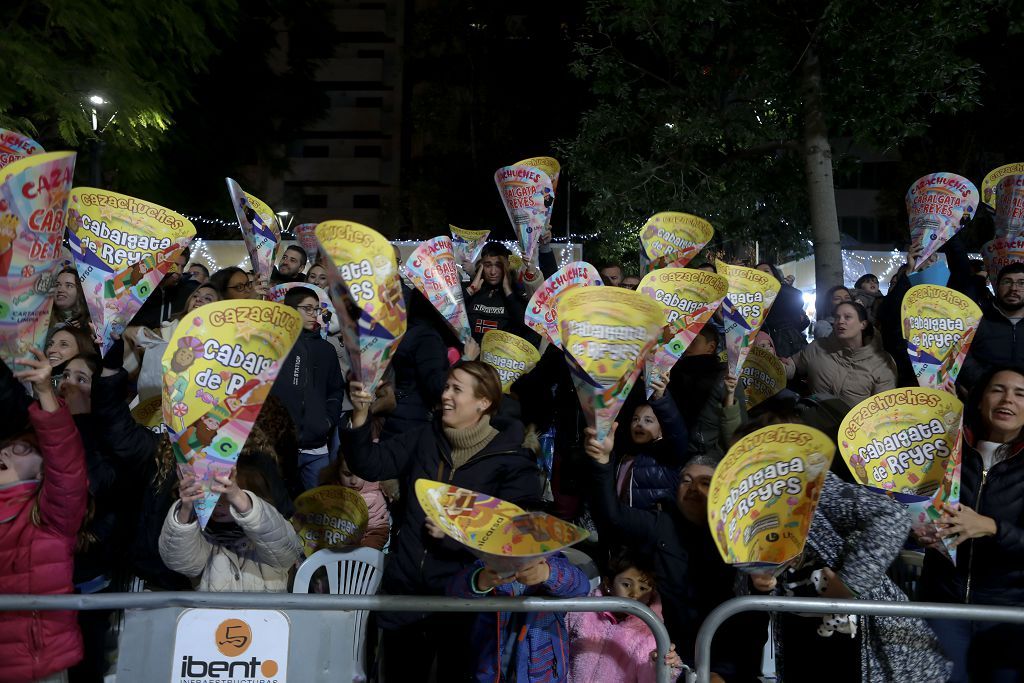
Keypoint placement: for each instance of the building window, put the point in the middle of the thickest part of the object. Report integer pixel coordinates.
(314, 201)
(367, 152)
(315, 151)
(366, 201)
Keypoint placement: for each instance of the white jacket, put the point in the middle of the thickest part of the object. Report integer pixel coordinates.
(261, 569)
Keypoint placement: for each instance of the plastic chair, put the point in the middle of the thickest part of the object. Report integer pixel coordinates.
(357, 571)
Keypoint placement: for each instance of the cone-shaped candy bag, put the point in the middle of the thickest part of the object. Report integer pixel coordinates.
(261, 230)
(306, 234)
(751, 295)
(939, 205)
(764, 493)
(672, 239)
(528, 194)
(907, 442)
(502, 534)
(14, 146)
(763, 376)
(690, 298)
(607, 333)
(541, 314)
(329, 517)
(431, 269)
(362, 269)
(218, 369)
(123, 247)
(34, 194)
(1009, 218)
(510, 355)
(988, 185)
(938, 324)
(467, 245)
(1001, 252)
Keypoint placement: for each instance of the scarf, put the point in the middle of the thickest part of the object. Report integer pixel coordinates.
(14, 497)
(228, 535)
(469, 441)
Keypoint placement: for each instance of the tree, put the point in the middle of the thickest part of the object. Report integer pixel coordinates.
(727, 109)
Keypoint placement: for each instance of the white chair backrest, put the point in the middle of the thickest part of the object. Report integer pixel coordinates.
(355, 571)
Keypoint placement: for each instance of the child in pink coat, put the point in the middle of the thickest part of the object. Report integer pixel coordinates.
(378, 527)
(617, 648)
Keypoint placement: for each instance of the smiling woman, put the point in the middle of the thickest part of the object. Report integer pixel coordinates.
(461, 447)
(988, 531)
(69, 308)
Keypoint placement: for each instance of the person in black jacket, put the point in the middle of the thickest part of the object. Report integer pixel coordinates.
(311, 386)
(648, 471)
(786, 320)
(493, 301)
(998, 341)
(689, 572)
(169, 298)
(463, 448)
(988, 530)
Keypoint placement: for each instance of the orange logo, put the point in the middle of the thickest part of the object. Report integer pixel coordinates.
(233, 637)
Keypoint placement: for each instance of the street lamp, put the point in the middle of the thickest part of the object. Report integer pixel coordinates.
(289, 216)
(96, 143)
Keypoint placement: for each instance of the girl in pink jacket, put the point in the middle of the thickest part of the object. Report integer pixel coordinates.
(378, 527)
(617, 648)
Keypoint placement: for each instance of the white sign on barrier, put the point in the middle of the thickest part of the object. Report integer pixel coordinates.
(230, 646)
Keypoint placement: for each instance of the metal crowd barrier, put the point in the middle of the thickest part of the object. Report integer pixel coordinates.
(875, 608)
(320, 602)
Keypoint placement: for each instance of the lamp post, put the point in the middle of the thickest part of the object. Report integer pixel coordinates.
(290, 216)
(96, 143)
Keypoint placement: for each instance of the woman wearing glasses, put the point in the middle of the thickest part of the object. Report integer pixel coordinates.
(311, 386)
(233, 283)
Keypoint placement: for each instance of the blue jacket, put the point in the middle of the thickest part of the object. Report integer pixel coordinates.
(656, 466)
(543, 645)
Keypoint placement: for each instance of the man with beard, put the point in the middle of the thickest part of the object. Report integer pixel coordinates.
(293, 260)
(688, 569)
(998, 342)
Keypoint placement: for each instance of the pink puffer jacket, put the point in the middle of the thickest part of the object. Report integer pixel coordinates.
(39, 559)
(602, 648)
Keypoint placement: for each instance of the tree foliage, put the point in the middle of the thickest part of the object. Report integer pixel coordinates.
(699, 106)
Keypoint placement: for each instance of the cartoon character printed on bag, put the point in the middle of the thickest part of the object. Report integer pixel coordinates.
(176, 379)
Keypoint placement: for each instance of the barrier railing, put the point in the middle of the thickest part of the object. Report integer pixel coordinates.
(321, 602)
(874, 608)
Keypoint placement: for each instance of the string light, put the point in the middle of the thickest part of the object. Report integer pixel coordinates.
(209, 221)
(201, 250)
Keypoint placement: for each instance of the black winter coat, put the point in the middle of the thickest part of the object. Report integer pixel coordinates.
(491, 309)
(312, 389)
(989, 570)
(420, 564)
(997, 342)
(421, 370)
(655, 467)
(690, 575)
(786, 321)
(164, 303)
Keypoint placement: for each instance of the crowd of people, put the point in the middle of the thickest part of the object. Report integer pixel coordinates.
(91, 500)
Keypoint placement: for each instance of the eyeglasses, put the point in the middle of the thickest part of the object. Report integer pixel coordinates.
(1011, 284)
(308, 309)
(245, 287)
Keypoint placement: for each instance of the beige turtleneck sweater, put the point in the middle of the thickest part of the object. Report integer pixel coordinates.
(469, 441)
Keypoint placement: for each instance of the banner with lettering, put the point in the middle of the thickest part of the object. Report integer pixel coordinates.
(907, 442)
(510, 355)
(123, 247)
(502, 534)
(327, 312)
(763, 376)
(607, 333)
(329, 517)
(306, 234)
(261, 230)
(764, 493)
(939, 205)
(431, 269)
(541, 314)
(218, 369)
(1001, 252)
(14, 146)
(528, 194)
(672, 239)
(690, 298)
(34, 194)
(746, 305)
(362, 270)
(988, 185)
(938, 324)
